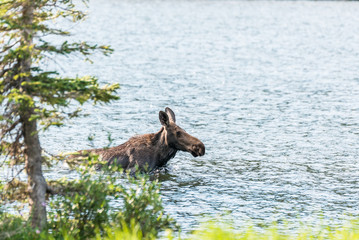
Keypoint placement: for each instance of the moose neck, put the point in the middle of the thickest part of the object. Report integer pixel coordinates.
(164, 151)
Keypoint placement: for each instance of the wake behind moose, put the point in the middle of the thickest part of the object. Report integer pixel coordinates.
(151, 151)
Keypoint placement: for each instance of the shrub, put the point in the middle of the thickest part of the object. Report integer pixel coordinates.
(83, 209)
(143, 208)
(15, 228)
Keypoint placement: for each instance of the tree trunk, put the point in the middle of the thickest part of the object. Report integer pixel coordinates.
(36, 182)
(37, 185)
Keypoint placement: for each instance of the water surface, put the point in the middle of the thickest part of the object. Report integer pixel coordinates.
(271, 88)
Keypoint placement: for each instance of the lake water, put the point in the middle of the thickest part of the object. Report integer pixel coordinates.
(271, 88)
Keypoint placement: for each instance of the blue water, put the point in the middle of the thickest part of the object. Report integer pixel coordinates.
(271, 88)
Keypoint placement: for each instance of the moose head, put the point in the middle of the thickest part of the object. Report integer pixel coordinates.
(177, 138)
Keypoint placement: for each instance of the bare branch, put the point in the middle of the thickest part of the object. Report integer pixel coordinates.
(17, 174)
(9, 129)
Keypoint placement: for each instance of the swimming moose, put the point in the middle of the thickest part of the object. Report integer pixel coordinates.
(151, 151)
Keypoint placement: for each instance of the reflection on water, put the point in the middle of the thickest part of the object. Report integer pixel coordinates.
(271, 88)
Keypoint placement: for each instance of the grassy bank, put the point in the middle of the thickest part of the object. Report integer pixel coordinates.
(213, 230)
(220, 231)
(15, 228)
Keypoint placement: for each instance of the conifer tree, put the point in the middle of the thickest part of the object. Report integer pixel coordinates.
(33, 99)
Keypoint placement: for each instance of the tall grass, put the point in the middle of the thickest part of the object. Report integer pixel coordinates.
(213, 230)
(222, 231)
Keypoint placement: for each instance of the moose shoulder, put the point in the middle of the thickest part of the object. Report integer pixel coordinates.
(150, 151)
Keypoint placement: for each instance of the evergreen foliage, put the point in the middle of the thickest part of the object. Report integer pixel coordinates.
(25, 85)
(34, 98)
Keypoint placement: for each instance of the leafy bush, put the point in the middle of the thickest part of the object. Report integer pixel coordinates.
(123, 232)
(83, 209)
(15, 228)
(143, 208)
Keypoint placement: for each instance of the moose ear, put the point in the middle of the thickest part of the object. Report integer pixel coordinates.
(164, 118)
(171, 114)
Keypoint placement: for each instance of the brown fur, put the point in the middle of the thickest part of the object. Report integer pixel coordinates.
(151, 151)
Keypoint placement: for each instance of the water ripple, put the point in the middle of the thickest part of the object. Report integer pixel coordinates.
(271, 88)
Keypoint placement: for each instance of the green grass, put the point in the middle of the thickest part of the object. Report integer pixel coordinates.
(222, 231)
(214, 230)
(15, 228)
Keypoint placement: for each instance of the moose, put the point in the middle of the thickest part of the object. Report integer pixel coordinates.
(149, 152)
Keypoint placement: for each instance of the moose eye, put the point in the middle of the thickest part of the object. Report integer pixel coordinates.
(178, 134)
